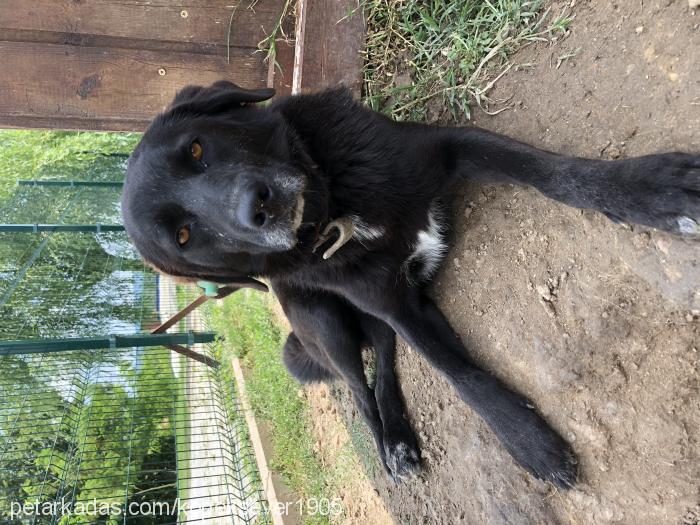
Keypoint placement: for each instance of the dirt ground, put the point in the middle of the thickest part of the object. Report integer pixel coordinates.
(599, 325)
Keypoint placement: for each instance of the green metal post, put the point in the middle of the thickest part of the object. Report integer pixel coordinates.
(34, 346)
(37, 228)
(72, 183)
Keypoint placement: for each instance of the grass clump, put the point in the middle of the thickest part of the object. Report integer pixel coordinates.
(447, 50)
(269, 44)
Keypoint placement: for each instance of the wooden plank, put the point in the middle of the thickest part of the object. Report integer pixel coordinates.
(195, 22)
(299, 46)
(72, 124)
(47, 84)
(330, 39)
(85, 40)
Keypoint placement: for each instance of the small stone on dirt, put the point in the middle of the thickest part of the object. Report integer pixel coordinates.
(544, 292)
(611, 152)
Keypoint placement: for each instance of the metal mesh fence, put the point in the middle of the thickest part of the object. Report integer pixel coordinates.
(110, 435)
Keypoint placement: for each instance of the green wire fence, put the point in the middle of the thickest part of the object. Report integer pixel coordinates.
(99, 424)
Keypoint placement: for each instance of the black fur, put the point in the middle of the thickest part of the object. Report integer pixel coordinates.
(344, 160)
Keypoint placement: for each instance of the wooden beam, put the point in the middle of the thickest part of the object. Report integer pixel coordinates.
(113, 64)
(69, 87)
(330, 38)
(198, 22)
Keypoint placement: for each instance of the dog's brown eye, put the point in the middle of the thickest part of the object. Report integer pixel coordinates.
(183, 236)
(196, 150)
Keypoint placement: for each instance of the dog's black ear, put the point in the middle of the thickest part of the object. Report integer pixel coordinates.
(186, 94)
(218, 97)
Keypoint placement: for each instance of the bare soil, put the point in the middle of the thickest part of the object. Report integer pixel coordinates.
(596, 323)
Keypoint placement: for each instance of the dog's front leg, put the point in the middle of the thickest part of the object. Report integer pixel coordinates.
(526, 436)
(400, 444)
(661, 191)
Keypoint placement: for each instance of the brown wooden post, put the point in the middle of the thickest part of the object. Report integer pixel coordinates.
(330, 38)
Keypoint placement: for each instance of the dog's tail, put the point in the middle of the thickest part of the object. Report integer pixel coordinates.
(302, 365)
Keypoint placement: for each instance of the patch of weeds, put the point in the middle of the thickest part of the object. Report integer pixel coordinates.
(452, 51)
(269, 44)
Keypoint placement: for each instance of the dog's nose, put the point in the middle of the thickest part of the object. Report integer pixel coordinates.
(253, 210)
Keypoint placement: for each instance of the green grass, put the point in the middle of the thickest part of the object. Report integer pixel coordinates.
(452, 50)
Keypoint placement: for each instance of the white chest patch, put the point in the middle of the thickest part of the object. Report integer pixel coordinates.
(429, 249)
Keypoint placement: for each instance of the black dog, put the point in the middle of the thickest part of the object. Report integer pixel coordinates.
(340, 208)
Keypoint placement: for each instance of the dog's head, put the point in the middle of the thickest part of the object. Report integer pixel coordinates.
(214, 187)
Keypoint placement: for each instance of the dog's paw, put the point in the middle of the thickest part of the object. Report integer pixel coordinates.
(529, 439)
(545, 455)
(541, 451)
(555, 463)
(402, 460)
(661, 191)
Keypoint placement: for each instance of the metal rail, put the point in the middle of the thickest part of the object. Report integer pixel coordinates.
(34, 346)
(53, 228)
(72, 183)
